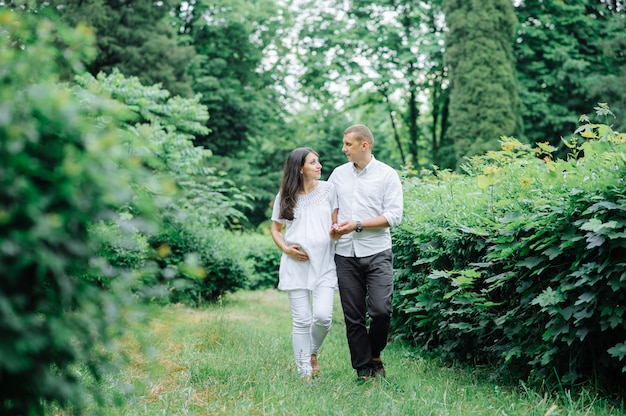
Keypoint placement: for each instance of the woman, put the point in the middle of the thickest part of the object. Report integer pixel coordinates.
(305, 208)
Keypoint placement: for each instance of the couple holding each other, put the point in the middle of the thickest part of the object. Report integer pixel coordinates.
(338, 233)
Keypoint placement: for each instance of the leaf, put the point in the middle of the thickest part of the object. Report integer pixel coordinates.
(603, 110)
(604, 131)
(530, 262)
(589, 134)
(618, 350)
(450, 294)
(436, 274)
(552, 252)
(488, 304)
(614, 321)
(593, 224)
(462, 326)
(462, 281)
(548, 297)
(581, 333)
(485, 181)
(614, 236)
(471, 273)
(567, 313)
(596, 225)
(423, 260)
(594, 240)
(585, 298)
(582, 314)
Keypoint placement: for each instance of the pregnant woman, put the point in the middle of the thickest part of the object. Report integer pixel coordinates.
(302, 219)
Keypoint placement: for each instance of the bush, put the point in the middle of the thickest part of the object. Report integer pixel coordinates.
(121, 244)
(198, 264)
(63, 168)
(519, 263)
(265, 258)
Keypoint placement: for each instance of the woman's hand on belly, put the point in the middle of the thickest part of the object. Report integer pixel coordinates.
(295, 251)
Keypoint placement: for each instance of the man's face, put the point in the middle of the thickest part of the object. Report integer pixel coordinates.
(351, 147)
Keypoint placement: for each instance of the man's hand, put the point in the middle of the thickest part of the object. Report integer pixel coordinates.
(344, 228)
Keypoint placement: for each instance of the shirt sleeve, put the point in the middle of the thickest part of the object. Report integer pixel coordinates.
(276, 210)
(393, 200)
(332, 197)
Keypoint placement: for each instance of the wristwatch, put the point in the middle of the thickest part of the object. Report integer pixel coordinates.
(359, 227)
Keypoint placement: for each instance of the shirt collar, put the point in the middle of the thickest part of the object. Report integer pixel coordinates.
(372, 160)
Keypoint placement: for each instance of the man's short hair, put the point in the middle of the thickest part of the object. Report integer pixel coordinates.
(361, 133)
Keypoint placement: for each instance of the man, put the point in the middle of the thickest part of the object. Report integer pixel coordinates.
(370, 203)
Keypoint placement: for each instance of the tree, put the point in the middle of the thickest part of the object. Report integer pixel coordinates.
(381, 47)
(230, 72)
(164, 128)
(193, 247)
(137, 38)
(607, 83)
(239, 72)
(484, 100)
(438, 91)
(569, 57)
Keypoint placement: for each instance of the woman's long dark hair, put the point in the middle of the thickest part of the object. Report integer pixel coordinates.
(291, 184)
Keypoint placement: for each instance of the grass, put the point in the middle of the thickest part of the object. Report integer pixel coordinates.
(235, 358)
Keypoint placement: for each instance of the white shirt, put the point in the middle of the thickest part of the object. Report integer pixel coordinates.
(310, 228)
(374, 191)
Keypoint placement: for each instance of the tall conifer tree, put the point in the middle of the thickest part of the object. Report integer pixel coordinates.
(484, 92)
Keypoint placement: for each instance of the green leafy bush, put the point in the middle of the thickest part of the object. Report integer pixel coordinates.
(265, 260)
(199, 264)
(63, 168)
(121, 243)
(520, 263)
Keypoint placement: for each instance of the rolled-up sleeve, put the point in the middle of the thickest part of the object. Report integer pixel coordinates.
(393, 200)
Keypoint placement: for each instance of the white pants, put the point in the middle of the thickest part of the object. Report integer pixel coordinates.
(312, 313)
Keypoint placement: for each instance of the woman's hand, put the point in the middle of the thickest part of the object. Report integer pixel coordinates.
(297, 253)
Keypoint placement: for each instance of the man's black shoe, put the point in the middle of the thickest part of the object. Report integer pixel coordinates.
(377, 368)
(364, 373)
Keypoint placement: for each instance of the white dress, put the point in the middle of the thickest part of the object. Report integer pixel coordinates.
(310, 228)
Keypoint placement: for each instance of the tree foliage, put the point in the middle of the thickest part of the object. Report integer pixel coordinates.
(135, 37)
(104, 196)
(388, 48)
(231, 38)
(239, 72)
(569, 56)
(196, 258)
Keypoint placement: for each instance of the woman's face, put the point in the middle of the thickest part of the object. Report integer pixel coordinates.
(312, 168)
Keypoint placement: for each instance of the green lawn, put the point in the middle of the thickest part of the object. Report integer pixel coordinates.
(235, 358)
